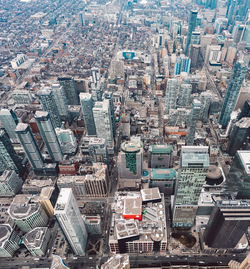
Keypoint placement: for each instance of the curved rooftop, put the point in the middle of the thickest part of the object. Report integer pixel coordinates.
(131, 146)
(5, 232)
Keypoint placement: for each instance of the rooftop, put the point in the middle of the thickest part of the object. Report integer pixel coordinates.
(161, 149)
(161, 173)
(5, 232)
(132, 206)
(34, 238)
(150, 194)
(245, 159)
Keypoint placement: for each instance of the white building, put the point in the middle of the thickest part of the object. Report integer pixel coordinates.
(71, 221)
(103, 123)
(18, 61)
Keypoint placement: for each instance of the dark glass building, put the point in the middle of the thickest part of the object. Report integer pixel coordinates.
(191, 28)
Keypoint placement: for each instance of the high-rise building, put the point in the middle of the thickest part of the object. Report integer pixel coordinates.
(69, 86)
(117, 69)
(98, 151)
(193, 117)
(87, 104)
(185, 95)
(47, 100)
(238, 180)
(220, 24)
(47, 199)
(130, 159)
(71, 222)
(191, 28)
(182, 65)
(22, 97)
(238, 135)
(30, 146)
(103, 123)
(67, 141)
(245, 112)
(95, 76)
(160, 156)
(205, 99)
(195, 52)
(48, 134)
(171, 95)
(109, 97)
(9, 241)
(27, 213)
(36, 241)
(9, 159)
(193, 170)
(238, 31)
(232, 93)
(227, 224)
(61, 100)
(93, 224)
(9, 121)
(10, 183)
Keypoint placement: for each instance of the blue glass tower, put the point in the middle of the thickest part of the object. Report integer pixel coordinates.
(239, 74)
(182, 65)
(191, 28)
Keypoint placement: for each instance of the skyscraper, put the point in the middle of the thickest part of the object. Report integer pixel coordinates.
(47, 100)
(160, 156)
(69, 86)
(109, 97)
(227, 224)
(67, 140)
(61, 100)
(193, 170)
(87, 104)
(182, 65)
(238, 180)
(184, 98)
(130, 159)
(238, 135)
(9, 159)
(103, 123)
(10, 183)
(171, 95)
(193, 117)
(9, 121)
(191, 28)
(70, 220)
(30, 147)
(48, 134)
(205, 99)
(232, 93)
(9, 241)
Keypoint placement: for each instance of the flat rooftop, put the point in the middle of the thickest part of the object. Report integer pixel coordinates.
(34, 238)
(150, 194)
(245, 159)
(162, 173)
(132, 206)
(161, 149)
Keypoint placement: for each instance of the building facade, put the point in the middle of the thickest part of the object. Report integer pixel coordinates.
(10, 183)
(171, 95)
(160, 156)
(9, 241)
(71, 222)
(193, 170)
(69, 86)
(9, 122)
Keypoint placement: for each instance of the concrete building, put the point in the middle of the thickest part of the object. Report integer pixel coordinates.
(109, 96)
(22, 97)
(9, 160)
(138, 223)
(193, 170)
(61, 100)
(236, 265)
(117, 69)
(93, 224)
(103, 123)
(36, 241)
(130, 163)
(27, 213)
(48, 102)
(9, 122)
(98, 150)
(48, 198)
(232, 93)
(48, 134)
(164, 179)
(227, 224)
(93, 184)
(67, 141)
(69, 86)
(9, 241)
(171, 95)
(30, 146)
(71, 222)
(10, 183)
(239, 175)
(160, 156)
(87, 104)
